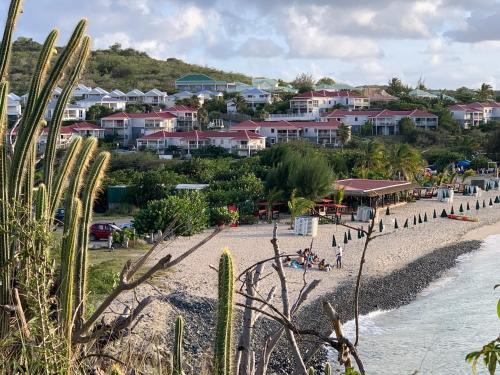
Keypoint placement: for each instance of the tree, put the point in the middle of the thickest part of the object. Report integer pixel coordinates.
(326, 81)
(188, 212)
(396, 87)
(421, 84)
(153, 185)
(303, 82)
(311, 176)
(404, 161)
(464, 95)
(193, 101)
(240, 103)
(408, 130)
(298, 206)
(371, 160)
(485, 92)
(97, 112)
(344, 133)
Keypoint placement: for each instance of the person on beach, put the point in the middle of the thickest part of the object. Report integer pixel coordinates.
(339, 257)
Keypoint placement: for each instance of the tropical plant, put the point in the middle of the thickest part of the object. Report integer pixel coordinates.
(344, 134)
(222, 216)
(485, 92)
(404, 162)
(298, 206)
(371, 161)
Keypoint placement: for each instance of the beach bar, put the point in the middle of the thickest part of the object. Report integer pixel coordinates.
(365, 192)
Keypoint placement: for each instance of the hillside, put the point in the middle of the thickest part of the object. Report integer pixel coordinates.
(114, 68)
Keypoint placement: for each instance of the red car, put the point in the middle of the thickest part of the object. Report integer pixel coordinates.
(101, 231)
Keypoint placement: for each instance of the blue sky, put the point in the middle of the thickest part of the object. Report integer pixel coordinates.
(447, 43)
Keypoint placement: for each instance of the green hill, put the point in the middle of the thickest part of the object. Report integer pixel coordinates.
(114, 67)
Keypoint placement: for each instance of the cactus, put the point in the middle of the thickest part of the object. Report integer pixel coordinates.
(328, 368)
(177, 357)
(5, 50)
(311, 371)
(223, 334)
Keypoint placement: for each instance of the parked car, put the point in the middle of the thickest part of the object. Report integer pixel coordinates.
(127, 226)
(59, 216)
(101, 231)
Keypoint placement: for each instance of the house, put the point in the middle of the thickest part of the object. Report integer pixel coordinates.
(171, 100)
(237, 87)
(318, 102)
(242, 143)
(376, 94)
(208, 95)
(72, 112)
(85, 129)
(417, 93)
(118, 94)
(474, 114)
(135, 96)
(80, 91)
(130, 126)
(14, 97)
(384, 122)
(187, 117)
(266, 84)
(95, 92)
(323, 133)
(197, 82)
(107, 101)
(155, 97)
(13, 107)
(337, 86)
(56, 93)
(256, 97)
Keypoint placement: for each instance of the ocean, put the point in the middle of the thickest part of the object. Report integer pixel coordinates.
(432, 335)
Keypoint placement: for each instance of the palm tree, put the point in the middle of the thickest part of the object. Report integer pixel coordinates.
(272, 196)
(343, 134)
(298, 206)
(371, 160)
(485, 92)
(403, 161)
(240, 103)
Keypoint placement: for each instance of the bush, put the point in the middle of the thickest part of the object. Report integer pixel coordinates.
(248, 220)
(222, 215)
(101, 279)
(189, 210)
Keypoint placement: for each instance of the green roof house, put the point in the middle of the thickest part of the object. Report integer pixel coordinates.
(198, 82)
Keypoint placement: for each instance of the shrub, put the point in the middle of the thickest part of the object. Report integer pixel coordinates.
(248, 220)
(189, 210)
(221, 215)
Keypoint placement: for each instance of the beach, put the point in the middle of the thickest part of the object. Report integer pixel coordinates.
(399, 264)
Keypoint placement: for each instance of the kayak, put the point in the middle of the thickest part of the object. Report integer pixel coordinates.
(463, 218)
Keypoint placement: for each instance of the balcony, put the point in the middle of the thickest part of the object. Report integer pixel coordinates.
(311, 116)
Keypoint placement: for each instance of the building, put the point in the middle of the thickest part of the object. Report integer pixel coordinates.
(118, 94)
(80, 91)
(366, 192)
(95, 93)
(242, 143)
(187, 117)
(198, 82)
(323, 133)
(155, 97)
(384, 122)
(171, 100)
(72, 112)
(107, 101)
(417, 93)
(379, 95)
(14, 109)
(127, 127)
(135, 96)
(474, 114)
(85, 129)
(256, 98)
(318, 102)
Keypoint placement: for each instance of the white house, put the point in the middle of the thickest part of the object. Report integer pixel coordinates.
(417, 93)
(72, 112)
(106, 101)
(325, 133)
(56, 93)
(80, 91)
(13, 107)
(95, 92)
(135, 96)
(118, 94)
(155, 97)
(242, 143)
(186, 117)
(384, 122)
(474, 114)
(171, 100)
(256, 97)
(130, 126)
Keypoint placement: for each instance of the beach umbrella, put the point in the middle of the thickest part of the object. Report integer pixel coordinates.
(345, 238)
(487, 187)
(419, 219)
(359, 233)
(434, 214)
(371, 214)
(468, 206)
(414, 220)
(475, 189)
(452, 211)
(352, 216)
(387, 212)
(425, 217)
(396, 226)
(406, 224)
(484, 203)
(334, 241)
(461, 209)
(478, 206)
(380, 226)
(349, 237)
(497, 199)
(443, 213)
(362, 232)
(491, 202)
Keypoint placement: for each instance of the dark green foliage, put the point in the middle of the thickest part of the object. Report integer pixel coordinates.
(225, 305)
(497, 199)
(189, 211)
(96, 112)
(443, 213)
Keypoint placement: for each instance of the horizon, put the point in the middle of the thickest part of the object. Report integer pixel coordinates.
(446, 44)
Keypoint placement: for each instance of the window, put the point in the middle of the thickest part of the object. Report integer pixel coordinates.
(272, 130)
(355, 119)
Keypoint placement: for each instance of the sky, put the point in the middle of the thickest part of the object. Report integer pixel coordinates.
(445, 43)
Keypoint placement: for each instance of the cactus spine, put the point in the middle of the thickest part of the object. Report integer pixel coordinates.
(223, 334)
(177, 358)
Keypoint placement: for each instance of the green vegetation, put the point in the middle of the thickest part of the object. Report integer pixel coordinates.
(114, 67)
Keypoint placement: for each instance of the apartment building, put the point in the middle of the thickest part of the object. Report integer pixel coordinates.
(474, 114)
(115, 104)
(316, 103)
(198, 82)
(255, 97)
(187, 117)
(72, 112)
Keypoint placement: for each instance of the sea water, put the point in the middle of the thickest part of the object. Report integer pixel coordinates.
(432, 335)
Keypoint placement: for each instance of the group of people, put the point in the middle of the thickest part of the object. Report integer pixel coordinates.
(306, 259)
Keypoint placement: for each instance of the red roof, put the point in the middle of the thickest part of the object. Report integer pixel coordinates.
(148, 115)
(291, 125)
(365, 185)
(381, 113)
(83, 126)
(181, 108)
(474, 107)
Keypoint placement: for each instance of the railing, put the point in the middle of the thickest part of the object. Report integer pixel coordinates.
(292, 116)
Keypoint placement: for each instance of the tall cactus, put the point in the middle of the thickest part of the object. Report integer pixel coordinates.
(177, 357)
(328, 368)
(223, 334)
(5, 48)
